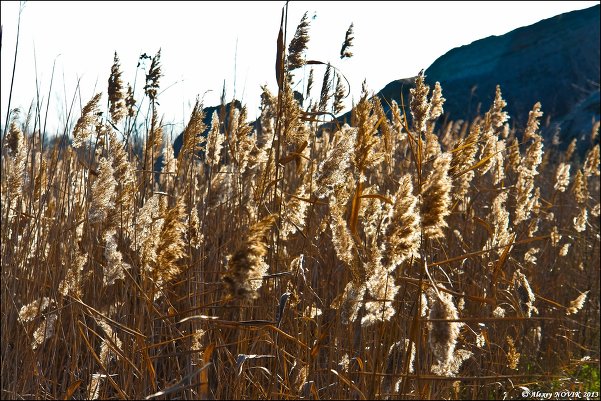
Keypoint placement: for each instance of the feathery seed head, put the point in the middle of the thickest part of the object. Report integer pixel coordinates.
(436, 199)
(117, 106)
(246, 267)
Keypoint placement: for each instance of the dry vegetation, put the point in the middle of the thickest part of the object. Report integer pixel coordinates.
(395, 257)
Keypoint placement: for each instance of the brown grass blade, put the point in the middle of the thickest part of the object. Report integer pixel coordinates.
(71, 389)
(279, 60)
(349, 383)
(204, 390)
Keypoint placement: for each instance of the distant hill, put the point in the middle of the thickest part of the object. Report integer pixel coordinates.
(555, 61)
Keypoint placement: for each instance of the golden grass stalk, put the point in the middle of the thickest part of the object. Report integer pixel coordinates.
(33, 309)
(436, 198)
(169, 168)
(580, 188)
(71, 285)
(125, 176)
(367, 154)
(513, 356)
(564, 249)
(194, 229)
(436, 102)
(562, 177)
(114, 268)
(591, 163)
(580, 220)
(433, 148)
(577, 304)
(117, 106)
(570, 150)
(87, 122)
(382, 288)
(295, 210)
(298, 44)
(492, 126)
(192, 136)
(524, 293)
(45, 330)
(462, 162)
(333, 170)
(499, 158)
(499, 218)
(106, 352)
(149, 223)
(170, 244)
(246, 267)
(103, 192)
(442, 336)
(16, 162)
(243, 143)
(528, 168)
(402, 238)
(419, 105)
(342, 239)
(514, 156)
(214, 142)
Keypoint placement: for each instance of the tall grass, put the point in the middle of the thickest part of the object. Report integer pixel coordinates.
(392, 257)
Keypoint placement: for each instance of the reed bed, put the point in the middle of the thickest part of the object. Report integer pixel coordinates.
(393, 256)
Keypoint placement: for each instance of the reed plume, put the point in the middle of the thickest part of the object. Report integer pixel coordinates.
(192, 135)
(348, 43)
(298, 44)
(528, 167)
(591, 163)
(524, 293)
(562, 178)
(103, 192)
(16, 162)
(87, 122)
(577, 304)
(117, 105)
(114, 268)
(461, 164)
(170, 247)
(436, 198)
(215, 141)
(442, 336)
(402, 238)
(246, 267)
(152, 78)
(419, 105)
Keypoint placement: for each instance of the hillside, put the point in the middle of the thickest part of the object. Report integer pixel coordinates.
(555, 61)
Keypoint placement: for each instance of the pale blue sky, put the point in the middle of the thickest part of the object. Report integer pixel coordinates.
(205, 43)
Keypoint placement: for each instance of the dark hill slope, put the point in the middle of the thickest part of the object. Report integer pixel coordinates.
(555, 61)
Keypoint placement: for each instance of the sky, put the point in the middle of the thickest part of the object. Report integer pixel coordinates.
(206, 44)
